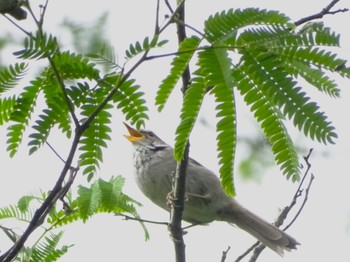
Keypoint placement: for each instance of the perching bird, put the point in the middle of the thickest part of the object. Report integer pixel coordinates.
(206, 201)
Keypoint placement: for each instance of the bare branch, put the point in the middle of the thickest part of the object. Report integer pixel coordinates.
(177, 208)
(257, 248)
(55, 152)
(224, 254)
(247, 251)
(325, 11)
(126, 217)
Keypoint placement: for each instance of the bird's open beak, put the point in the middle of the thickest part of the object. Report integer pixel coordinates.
(134, 134)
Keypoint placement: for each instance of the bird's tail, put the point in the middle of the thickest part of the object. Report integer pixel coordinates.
(265, 232)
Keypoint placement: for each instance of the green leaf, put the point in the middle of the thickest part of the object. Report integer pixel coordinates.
(138, 48)
(189, 113)
(24, 202)
(130, 101)
(73, 66)
(216, 67)
(47, 250)
(10, 76)
(312, 64)
(38, 47)
(278, 87)
(89, 200)
(21, 114)
(110, 192)
(12, 211)
(95, 138)
(223, 27)
(106, 57)
(7, 106)
(179, 64)
(270, 118)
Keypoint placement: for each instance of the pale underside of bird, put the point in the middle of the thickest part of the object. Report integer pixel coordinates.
(206, 201)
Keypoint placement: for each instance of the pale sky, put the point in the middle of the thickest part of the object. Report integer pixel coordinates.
(323, 228)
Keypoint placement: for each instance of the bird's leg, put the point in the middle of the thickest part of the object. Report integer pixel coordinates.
(203, 197)
(170, 197)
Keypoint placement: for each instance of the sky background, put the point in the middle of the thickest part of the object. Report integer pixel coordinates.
(323, 228)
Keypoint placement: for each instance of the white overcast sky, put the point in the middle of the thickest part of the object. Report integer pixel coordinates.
(323, 227)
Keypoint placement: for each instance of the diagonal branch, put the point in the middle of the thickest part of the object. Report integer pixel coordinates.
(257, 247)
(322, 13)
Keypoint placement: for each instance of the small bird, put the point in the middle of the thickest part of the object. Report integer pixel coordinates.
(206, 201)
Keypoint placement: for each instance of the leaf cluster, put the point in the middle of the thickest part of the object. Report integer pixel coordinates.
(101, 197)
(74, 90)
(262, 56)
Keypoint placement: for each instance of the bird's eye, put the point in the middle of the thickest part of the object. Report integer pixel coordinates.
(151, 134)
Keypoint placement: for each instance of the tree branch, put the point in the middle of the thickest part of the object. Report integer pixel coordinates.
(57, 192)
(224, 254)
(127, 217)
(60, 188)
(324, 11)
(257, 248)
(175, 226)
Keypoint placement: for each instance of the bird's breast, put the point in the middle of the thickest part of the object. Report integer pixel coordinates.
(153, 174)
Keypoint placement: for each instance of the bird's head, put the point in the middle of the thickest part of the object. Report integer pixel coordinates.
(143, 138)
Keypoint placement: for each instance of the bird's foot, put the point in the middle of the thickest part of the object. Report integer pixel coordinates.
(171, 199)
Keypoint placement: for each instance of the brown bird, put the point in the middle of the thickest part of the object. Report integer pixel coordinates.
(206, 201)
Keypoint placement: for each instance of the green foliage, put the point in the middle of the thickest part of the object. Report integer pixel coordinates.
(179, 64)
(88, 93)
(216, 67)
(47, 250)
(104, 196)
(258, 54)
(38, 47)
(96, 136)
(6, 108)
(130, 101)
(190, 109)
(223, 27)
(73, 66)
(56, 113)
(21, 113)
(147, 45)
(101, 197)
(10, 76)
(106, 57)
(12, 211)
(270, 56)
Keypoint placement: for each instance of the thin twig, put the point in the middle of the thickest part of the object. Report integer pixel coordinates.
(64, 92)
(174, 15)
(257, 247)
(156, 29)
(55, 152)
(42, 15)
(250, 249)
(169, 6)
(126, 217)
(40, 214)
(17, 25)
(322, 13)
(283, 215)
(224, 254)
